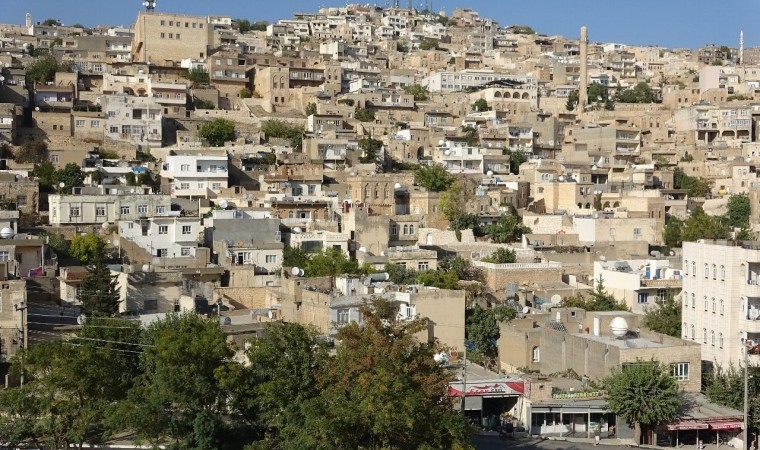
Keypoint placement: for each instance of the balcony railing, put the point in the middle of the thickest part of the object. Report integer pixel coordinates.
(662, 283)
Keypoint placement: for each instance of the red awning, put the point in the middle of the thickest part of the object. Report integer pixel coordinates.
(725, 425)
(687, 426)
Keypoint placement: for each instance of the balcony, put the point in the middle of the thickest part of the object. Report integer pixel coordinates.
(669, 283)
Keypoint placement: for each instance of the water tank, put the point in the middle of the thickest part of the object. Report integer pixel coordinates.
(146, 268)
(223, 204)
(7, 233)
(619, 327)
(363, 249)
(296, 272)
(379, 276)
(225, 320)
(297, 230)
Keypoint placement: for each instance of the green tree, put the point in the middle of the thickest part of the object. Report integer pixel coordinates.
(434, 178)
(245, 93)
(144, 179)
(665, 317)
(331, 262)
(45, 174)
(260, 25)
(131, 179)
(372, 149)
(217, 132)
(420, 92)
(641, 93)
(700, 225)
(376, 365)
(600, 300)
(673, 233)
(86, 248)
(179, 396)
(471, 135)
(461, 267)
(364, 115)
(572, 100)
(522, 29)
(725, 386)
(516, 159)
(198, 76)
(242, 25)
(644, 394)
(294, 257)
(200, 103)
(428, 44)
(99, 291)
(482, 327)
(480, 105)
(696, 187)
(501, 256)
(399, 274)
(71, 176)
(35, 152)
(508, 229)
(739, 210)
(311, 109)
(438, 279)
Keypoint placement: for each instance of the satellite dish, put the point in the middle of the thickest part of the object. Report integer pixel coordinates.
(270, 314)
(224, 320)
(146, 268)
(525, 310)
(556, 299)
(297, 230)
(81, 319)
(447, 152)
(619, 327)
(441, 358)
(37, 108)
(672, 253)
(397, 186)
(223, 204)
(490, 173)
(296, 272)
(441, 143)
(105, 225)
(602, 258)
(7, 233)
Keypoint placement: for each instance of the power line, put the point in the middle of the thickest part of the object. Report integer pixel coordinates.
(90, 339)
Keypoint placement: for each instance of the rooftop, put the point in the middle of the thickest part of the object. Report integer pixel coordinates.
(628, 343)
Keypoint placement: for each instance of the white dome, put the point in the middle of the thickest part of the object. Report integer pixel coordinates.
(397, 186)
(7, 233)
(619, 327)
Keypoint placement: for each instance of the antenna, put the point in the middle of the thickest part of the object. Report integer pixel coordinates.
(149, 5)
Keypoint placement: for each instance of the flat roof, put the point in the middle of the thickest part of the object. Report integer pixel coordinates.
(622, 343)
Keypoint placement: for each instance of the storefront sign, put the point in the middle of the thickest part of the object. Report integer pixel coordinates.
(489, 389)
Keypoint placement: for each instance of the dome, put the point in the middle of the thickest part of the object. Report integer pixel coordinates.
(7, 233)
(619, 327)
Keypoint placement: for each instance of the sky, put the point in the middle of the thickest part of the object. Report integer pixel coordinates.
(667, 23)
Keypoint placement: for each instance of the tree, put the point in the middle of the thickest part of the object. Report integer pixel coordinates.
(364, 115)
(71, 176)
(283, 130)
(260, 25)
(641, 93)
(438, 279)
(311, 109)
(508, 229)
(99, 291)
(41, 70)
(572, 100)
(200, 103)
(217, 132)
(672, 235)
(45, 174)
(725, 386)
(144, 179)
(501, 256)
(131, 179)
(482, 327)
(471, 135)
(87, 248)
(644, 394)
(245, 93)
(428, 44)
(696, 187)
(372, 149)
(383, 389)
(739, 210)
(331, 262)
(480, 105)
(198, 76)
(600, 300)
(52, 23)
(32, 152)
(665, 317)
(434, 178)
(179, 396)
(700, 225)
(461, 267)
(420, 92)
(522, 29)
(516, 159)
(242, 25)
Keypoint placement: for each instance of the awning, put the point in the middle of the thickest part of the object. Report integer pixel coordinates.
(726, 425)
(687, 426)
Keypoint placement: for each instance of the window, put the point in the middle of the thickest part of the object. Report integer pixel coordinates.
(113, 129)
(171, 23)
(707, 271)
(712, 338)
(423, 265)
(185, 251)
(21, 200)
(693, 301)
(271, 259)
(177, 35)
(637, 232)
(4, 255)
(185, 167)
(643, 297)
(715, 271)
(54, 159)
(720, 340)
(721, 307)
(74, 211)
(160, 209)
(94, 123)
(704, 335)
(343, 316)
(693, 269)
(693, 336)
(163, 35)
(142, 209)
(394, 230)
(80, 123)
(216, 186)
(680, 371)
(686, 267)
(171, 35)
(162, 252)
(406, 229)
(536, 354)
(184, 185)
(100, 211)
(163, 229)
(722, 272)
(124, 210)
(186, 229)
(163, 23)
(706, 303)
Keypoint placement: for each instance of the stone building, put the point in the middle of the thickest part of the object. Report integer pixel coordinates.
(167, 39)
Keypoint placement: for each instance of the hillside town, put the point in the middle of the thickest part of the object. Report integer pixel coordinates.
(218, 232)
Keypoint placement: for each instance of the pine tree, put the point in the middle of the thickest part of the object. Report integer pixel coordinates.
(99, 291)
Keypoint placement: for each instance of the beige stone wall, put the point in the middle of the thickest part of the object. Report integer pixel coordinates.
(497, 279)
(445, 311)
(152, 41)
(248, 298)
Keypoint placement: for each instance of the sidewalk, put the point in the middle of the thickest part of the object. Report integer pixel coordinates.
(627, 443)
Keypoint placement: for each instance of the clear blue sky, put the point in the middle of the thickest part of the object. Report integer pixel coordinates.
(669, 23)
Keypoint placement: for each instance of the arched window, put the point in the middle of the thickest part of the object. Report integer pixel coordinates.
(721, 307)
(685, 331)
(693, 269)
(692, 333)
(406, 229)
(706, 303)
(686, 267)
(713, 305)
(712, 338)
(693, 301)
(704, 335)
(722, 272)
(536, 354)
(685, 300)
(715, 271)
(720, 340)
(411, 229)
(707, 271)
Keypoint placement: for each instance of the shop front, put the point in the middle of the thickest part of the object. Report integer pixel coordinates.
(488, 403)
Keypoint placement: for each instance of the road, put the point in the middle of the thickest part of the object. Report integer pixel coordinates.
(496, 443)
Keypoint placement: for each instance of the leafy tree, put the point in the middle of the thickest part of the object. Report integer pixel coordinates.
(87, 248)
(461, 267)
(644, 394)
(99, 292)
(42, 70)
(482, 327)
(45, 174)
(471, 136)
(364, 115)
(438, 279)
(509, 229)
(372, 149)
(131, 179)
(600, 300)
(739, 211)
(428, 44)
(200, 103)
(696, 187)
(330, 262)
(420, 92)
(725, 386)
(59, 245)
(402, 47)
(377, 364)
(311, 109)
(179, 396)
(144, 179)
(572, 100)
(400, 274)
(434, 178)
(242, 25)
(501, 256)
(283, 130)
(245, 93)
(260, 25)
(35, 152)
(700, 225)
(453, 203)
(217, 132)
(522, 29)
(480, 105)
(198, 76)
(672, 235)
(294, 257)
(516, 159)
(641, 93)
(52, 23)
(687, 158)
(71, 176)
(665, 317)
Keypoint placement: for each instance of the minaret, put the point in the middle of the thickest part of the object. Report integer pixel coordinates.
(741, 47)
(583, 84)
(28, 20)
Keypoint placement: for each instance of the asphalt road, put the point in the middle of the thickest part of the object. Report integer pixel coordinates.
(496, 443)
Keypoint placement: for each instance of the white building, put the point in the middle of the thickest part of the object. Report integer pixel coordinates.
(469, 78)
(457, 157)
(196, 175)
(168, 237)
(721, 299)
(640, 284)
(107, 206)
(136, 120)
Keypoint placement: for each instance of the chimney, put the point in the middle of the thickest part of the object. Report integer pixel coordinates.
(583, 85)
